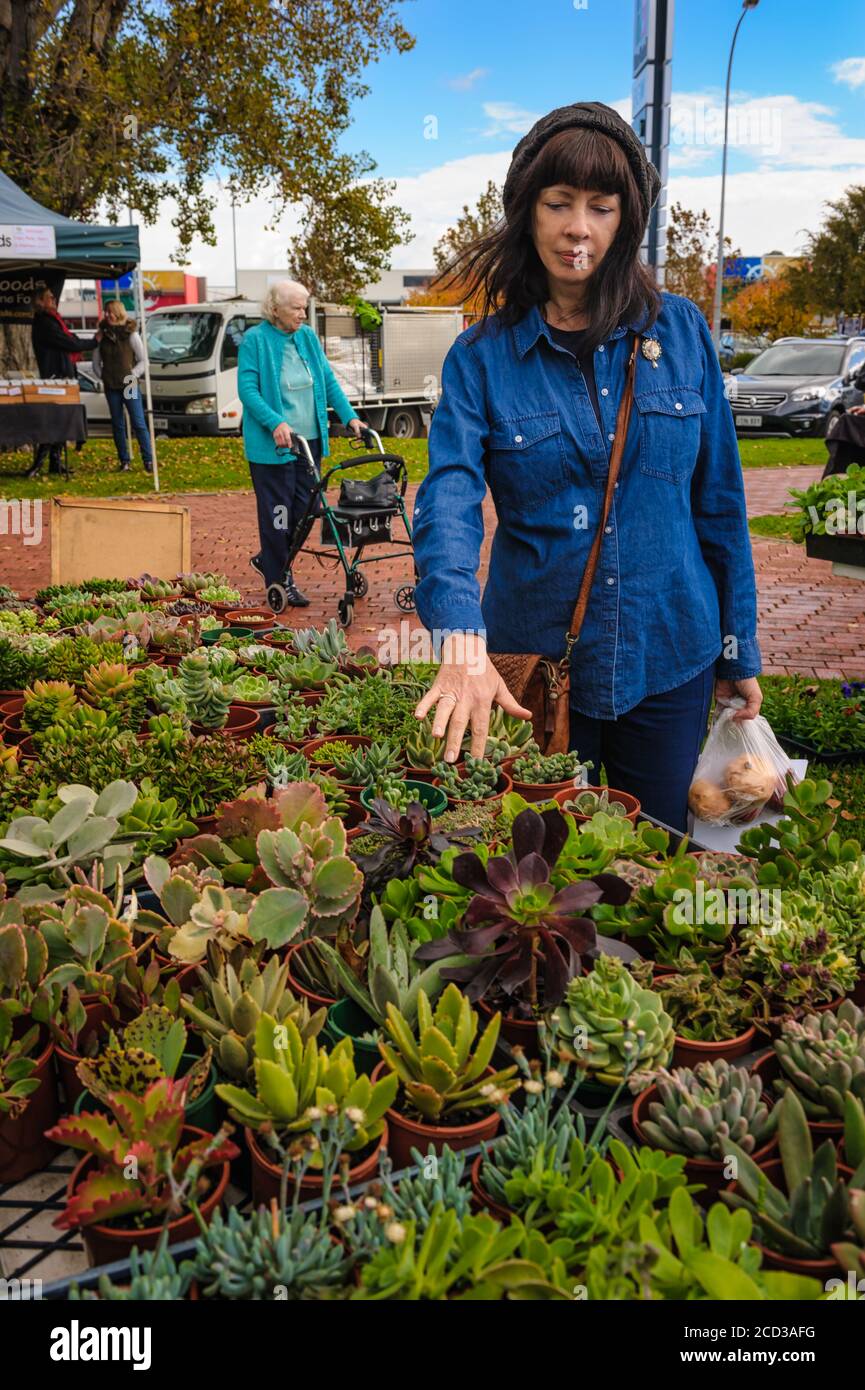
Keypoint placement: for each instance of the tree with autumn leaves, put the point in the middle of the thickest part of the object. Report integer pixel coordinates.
(127, 103)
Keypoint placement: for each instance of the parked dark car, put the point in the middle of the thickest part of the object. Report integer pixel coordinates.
(798, 386)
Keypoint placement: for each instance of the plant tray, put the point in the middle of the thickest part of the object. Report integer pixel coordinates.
(841, 550)
(807, 750)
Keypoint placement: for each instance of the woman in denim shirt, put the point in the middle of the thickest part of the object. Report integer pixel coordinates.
(528, 408)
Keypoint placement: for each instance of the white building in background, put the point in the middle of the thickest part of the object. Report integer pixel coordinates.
(394, 287)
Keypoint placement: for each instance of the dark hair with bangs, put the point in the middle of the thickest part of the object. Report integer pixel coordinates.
(506, 267)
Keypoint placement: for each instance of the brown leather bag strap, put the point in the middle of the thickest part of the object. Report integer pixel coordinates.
(622, 422)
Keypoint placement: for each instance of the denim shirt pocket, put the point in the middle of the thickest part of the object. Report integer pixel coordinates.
(670, 429)
(526, 460)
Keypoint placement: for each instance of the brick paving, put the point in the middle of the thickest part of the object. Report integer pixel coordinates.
(810, 621)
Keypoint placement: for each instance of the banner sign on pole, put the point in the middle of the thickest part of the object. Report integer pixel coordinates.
(36, 243)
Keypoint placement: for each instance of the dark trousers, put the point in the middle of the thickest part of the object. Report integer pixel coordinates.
(117, 399)
(282, 492)
(652, 750)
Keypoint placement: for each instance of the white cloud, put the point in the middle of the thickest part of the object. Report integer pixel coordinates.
(801, 160)
(468, 79)
(508, 119)
(850, 71)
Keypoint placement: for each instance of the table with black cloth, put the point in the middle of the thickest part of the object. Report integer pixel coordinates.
(39, 423)
(846, 444)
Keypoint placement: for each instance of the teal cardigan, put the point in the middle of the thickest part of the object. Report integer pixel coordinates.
(258, 372)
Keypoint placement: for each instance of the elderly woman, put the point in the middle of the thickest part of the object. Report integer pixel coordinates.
(530, 406)
(286, 385)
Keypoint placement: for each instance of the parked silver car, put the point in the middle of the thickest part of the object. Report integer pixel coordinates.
(798, 386)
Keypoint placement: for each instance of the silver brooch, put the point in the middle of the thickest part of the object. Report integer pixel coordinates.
(652, 350)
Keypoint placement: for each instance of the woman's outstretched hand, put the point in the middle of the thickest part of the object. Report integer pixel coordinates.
(748, 689)
(464, 692)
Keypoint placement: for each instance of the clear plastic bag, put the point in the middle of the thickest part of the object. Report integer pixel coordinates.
(741, 770)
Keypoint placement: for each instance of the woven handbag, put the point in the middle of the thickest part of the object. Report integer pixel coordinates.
(541, 683)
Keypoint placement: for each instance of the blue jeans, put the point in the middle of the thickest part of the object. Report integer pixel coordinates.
(282, 492)
(117, 398)
(652, 750)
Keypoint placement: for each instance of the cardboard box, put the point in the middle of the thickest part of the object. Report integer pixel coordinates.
(113, 538)
(11, 392)
(55, 391)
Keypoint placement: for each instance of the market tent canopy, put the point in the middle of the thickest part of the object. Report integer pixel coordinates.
(81, 250)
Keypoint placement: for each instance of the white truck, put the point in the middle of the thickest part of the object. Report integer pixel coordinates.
(391, 375)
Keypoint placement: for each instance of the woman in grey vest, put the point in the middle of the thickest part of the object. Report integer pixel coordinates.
(118, 360)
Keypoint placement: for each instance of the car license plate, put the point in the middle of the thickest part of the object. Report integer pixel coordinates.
(160, 422)
(749, 422)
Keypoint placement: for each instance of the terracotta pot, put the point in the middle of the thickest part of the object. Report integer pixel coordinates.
(26, 749)
(205, 825)
(857, 994)
(23, 1146)
(420, 774)
(483, 1198)
(687, 1052)
(503, 786)
(631, 804)
(774, 1027)
(13, 704)
(817, 1269)
(99, 1018)
(247, 617)
(710, 1172)
(315, 697)
(768, 1067)
(406, 1134)
(316, 1001)
(355, 819)
(519, 1032)
(166, 598)
(13, 731)
(266, 1175)
(264, 711)
(355, 740)
(105, 1244)
(241, 723)
(543, 791)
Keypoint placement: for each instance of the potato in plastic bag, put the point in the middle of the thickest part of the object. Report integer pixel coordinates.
(741, 769)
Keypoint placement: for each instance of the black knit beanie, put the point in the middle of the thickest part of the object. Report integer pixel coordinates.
(592, 115)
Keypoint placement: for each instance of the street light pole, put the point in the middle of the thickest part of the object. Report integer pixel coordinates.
(719, 268)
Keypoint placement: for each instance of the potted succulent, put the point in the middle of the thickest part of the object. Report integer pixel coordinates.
(475, 779)
(822, 1058)
(800, 1202)
(150, 1046)
(699, 1113)
(116, 1206)
(445, 1074)
(28, 1099)
(526, 937)
(294, 1083)
(709, 1013)
(584, 804)
(538, 777)
(613, 1025)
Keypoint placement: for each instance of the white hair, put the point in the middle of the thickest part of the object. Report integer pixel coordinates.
(278, 294)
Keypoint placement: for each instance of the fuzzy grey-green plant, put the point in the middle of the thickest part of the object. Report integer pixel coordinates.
(700, 1111)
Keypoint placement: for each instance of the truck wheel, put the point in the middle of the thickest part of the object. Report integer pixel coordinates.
(403, 423)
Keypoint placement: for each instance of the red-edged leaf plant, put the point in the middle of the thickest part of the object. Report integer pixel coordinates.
(141, 1163)
(527, 936)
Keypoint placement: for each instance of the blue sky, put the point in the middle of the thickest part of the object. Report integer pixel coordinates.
(484, 70)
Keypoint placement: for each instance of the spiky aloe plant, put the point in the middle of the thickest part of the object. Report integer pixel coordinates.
(364, 767)
(441, 1071)
(701, 1111)
(811, 1213)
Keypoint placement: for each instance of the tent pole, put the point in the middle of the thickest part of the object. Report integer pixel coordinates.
(139, 304)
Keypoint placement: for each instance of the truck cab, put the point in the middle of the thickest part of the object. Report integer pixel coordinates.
(193, 352)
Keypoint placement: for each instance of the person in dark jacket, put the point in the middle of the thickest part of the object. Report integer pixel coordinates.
(118, 361)
(55, 350)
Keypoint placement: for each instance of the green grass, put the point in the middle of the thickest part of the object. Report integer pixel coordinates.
(218, 465)
(778, 527)
(185, 465)
(782, 453)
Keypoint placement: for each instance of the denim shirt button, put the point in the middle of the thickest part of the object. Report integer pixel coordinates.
(611, 436)
(678, 405)
(611, 581)
(601, 348)
(604, 391)
(518, 439)
(608, 530)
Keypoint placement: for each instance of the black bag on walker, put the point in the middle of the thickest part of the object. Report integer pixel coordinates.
(376, 492)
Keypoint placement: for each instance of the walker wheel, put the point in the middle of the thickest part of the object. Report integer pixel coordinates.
(359, 583)
(345, 610)
(277, 598)
(404, 598)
